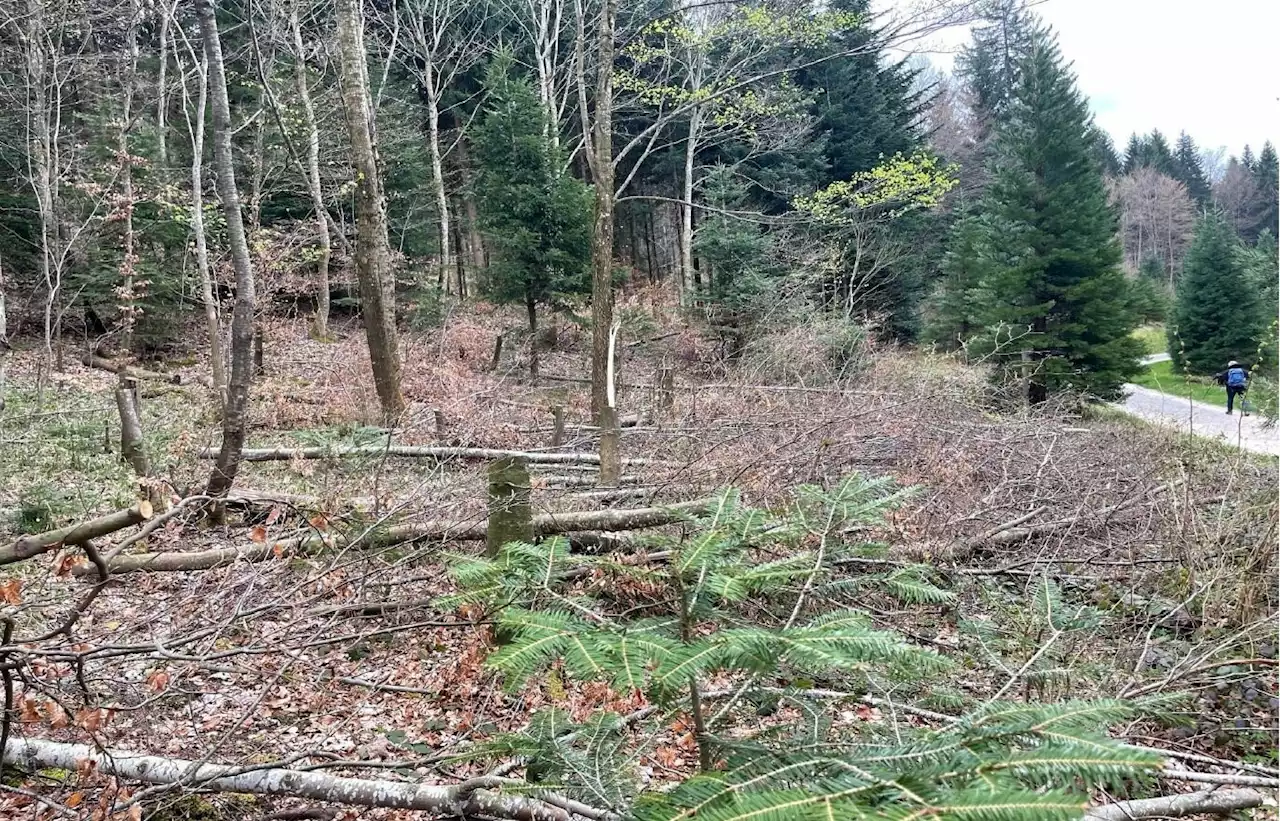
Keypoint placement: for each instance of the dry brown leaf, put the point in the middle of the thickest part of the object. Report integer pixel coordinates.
(158, 680)
(11, 591)
(258, 533)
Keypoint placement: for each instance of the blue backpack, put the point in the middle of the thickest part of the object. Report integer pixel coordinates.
(1236, 378)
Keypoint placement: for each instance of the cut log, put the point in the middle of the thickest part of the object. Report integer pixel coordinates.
(547, 524)
(409, 451)
(1218, 802)
(466, 800)
(94, 361)
(132, 447)
(76, 534)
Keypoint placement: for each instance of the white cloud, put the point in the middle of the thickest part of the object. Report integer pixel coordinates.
(1148, 64)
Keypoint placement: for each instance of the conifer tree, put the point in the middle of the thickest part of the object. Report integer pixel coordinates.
(1157, 154)
(990, 65)
(1216, 318)
(1268, 185)
(1132, 154)
(1067, 288)
(1189, 170)
(536, 218)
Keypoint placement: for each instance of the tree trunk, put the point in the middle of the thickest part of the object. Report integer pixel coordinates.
(40, 153)
(442, 198)
(320, 328)
(602, 171)
(237, 406)
(373, 256)
(510, 517)
(213, 324)
(469, 235)
(165, 12)
(687, 274)
(132, 448)
(532, 308)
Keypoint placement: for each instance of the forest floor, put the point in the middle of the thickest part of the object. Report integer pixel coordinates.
(296, 660)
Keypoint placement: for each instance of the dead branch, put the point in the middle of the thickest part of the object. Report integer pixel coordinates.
(1015, 531)
(94, 361)
(37, 754)
(288, 454)
(547, 524)
(76, 534)
(1220, 778)
(1219, 802)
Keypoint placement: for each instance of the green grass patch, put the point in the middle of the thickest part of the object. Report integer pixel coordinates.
(1161, 377)
(1152, 338)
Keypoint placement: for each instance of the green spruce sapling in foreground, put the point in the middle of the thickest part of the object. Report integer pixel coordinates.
(745, 599)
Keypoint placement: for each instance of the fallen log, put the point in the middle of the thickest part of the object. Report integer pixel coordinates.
(94, 361)
(486, 454)
(547, 524)
(77, 534)
(476, 797)
(1218, 802)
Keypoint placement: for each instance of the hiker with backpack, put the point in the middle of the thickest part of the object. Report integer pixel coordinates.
(1236, 380)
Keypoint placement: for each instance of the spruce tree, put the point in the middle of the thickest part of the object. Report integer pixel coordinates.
(1104, 152)
(1067, 287)
(536, 218)
(1190, 171)
(990, 65)
(1268, 185)
(1157, 154)
(1216, 318)
(1133, 154)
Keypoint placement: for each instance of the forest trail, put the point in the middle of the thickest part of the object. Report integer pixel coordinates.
(1201, 419)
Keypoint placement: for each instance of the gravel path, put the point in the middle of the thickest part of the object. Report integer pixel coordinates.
(1201, 419)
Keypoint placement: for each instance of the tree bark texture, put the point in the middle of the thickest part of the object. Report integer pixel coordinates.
(373, 255)
(234, 419)
(132, 447)
(602, 172)
(510, 518)
(1218, 802)
(461, 801)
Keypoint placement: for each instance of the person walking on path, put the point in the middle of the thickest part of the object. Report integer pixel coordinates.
(1236, 381)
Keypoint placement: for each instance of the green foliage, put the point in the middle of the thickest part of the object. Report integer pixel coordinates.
(1217, 317)
(1047, 257)
(992, 64)
(700, 615)
(536, 217)
(736, 249)
(893, 187)
(1149, 295)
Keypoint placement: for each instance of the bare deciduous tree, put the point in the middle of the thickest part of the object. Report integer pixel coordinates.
(1157, 218)
(234, 418)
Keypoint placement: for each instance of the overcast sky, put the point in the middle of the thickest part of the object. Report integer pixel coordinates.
(1208, 68)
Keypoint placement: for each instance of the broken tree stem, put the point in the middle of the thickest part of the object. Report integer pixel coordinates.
(549, 524)
(76, 534)
(485, 454)
(1219, 802)
(455, 801)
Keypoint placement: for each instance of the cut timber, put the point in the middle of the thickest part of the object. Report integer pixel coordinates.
(98, 362)
(465, 800)
(1218, 802)
(29, 546)
(486, 454)
(548, 524)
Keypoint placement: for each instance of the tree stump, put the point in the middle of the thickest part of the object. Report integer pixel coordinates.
(666, 389)
(259, 365)
(557, 426)
(610, 456)
(510, 515)
(497, 353)
(132, 449)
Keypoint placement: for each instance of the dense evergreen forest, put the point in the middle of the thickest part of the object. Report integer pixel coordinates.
(782, 376)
